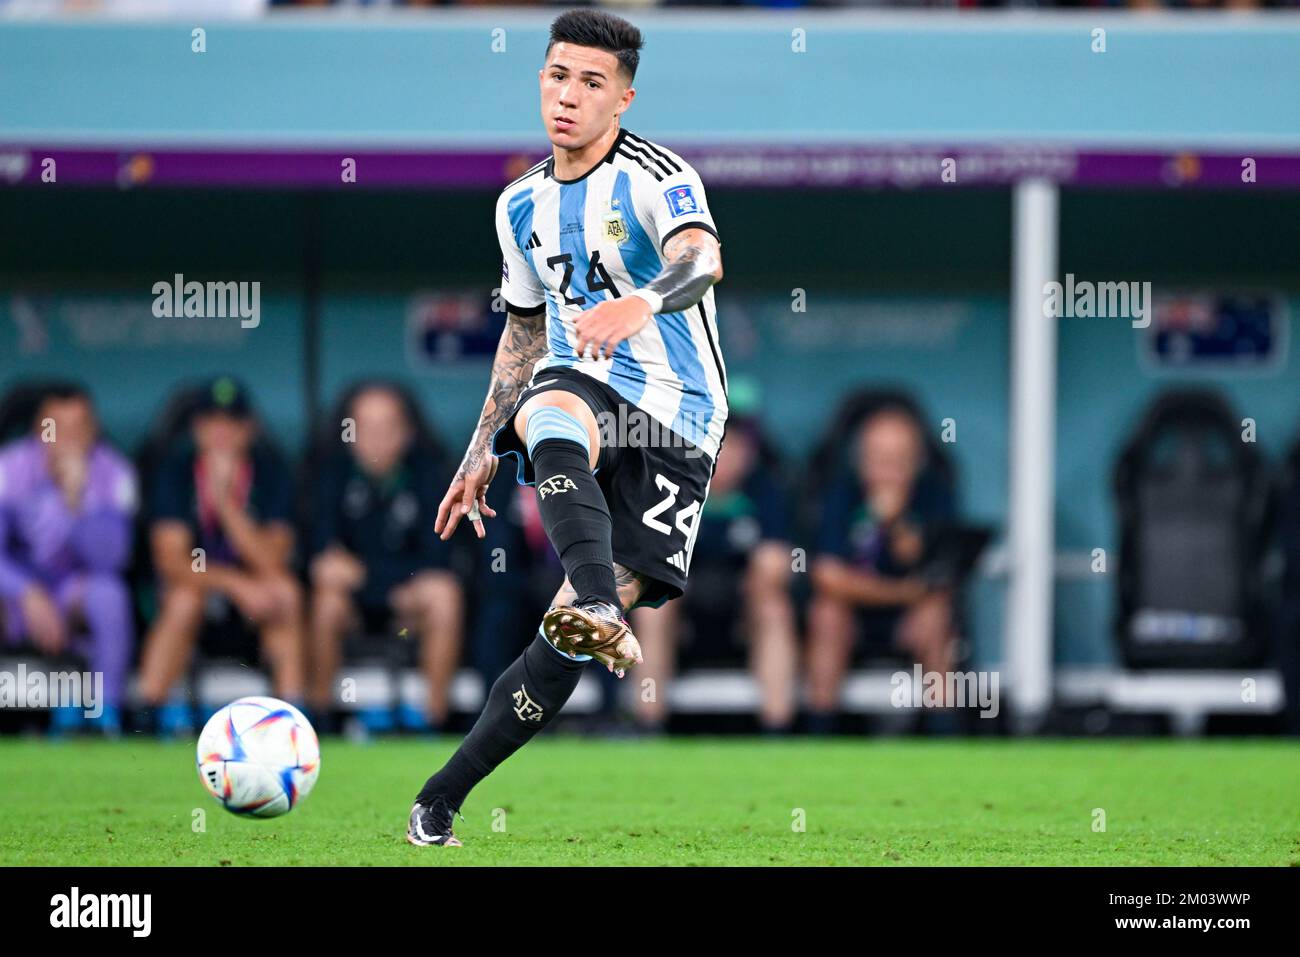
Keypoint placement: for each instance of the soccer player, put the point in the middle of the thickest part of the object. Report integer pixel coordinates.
(608, 388)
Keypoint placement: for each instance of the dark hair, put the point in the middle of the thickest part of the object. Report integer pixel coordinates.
(604, 31)
(62, 391)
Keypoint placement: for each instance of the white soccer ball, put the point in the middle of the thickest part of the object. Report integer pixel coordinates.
(259, 757)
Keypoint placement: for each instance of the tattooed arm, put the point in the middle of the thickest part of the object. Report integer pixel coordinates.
(693, 263)
(522, 343)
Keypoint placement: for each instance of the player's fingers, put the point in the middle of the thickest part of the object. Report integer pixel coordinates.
(453, 519)
(444, 507)
(468, 496)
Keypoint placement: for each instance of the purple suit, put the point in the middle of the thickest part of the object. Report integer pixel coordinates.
(77, 557)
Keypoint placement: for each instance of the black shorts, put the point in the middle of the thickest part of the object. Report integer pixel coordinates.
(655, 489)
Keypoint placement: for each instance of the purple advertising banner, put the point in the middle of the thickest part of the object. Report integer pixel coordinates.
(732, 166)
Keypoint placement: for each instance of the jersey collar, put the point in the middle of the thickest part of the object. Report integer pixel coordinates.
(608, 158)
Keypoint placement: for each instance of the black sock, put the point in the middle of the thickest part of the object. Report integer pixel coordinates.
(576, 518)
(522, 701)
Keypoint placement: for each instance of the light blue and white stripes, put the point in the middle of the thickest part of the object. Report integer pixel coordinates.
(549, 422)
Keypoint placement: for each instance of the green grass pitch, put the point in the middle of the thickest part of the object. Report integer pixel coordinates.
(566, 801)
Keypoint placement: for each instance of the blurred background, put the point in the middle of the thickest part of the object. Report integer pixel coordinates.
(1103, 515)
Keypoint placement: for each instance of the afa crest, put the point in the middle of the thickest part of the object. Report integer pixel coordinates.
(615, 228)
(526, 709)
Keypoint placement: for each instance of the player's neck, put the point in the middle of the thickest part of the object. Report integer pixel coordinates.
(571, 164)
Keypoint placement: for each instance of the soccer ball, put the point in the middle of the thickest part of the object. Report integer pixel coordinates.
(259, 757)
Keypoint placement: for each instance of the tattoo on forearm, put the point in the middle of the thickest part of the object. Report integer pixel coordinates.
(692, 262)
(522, 343)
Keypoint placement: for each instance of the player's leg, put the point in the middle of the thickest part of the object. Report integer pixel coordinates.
(431, 604)
(170, 642)
(562, 436)
(168, 648)
(773, 648)
(832, 630)
(656, 631)
(523, 700)
(333, 617)
(280, 625)
(926, 631)
(101, 601)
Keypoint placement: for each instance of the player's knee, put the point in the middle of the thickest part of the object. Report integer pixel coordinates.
(182, 605)
(287, 596)
(105, 598)
(436, 594)
(560, 415)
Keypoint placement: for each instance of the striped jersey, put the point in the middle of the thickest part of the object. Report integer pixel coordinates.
(569, 244)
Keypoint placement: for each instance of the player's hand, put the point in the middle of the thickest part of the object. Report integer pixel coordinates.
(467, 495)
(602, 327)
(44, 621)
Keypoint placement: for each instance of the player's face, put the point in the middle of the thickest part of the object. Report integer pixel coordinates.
(890, 452)
(383, 433)
(583, 89)
(217, 432)
(734, 462)
(74, 424)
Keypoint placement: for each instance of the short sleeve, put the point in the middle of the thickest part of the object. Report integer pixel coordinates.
(274, 489)
(769, 496)
(679, 203)
(172, 494)
(836, 516)
(520, 287)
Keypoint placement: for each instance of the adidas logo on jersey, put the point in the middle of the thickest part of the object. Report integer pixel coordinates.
(678, 560)
(554, 485)
(533, 242)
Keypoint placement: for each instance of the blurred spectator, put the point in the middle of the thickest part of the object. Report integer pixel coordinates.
(221, 533)
(376, 558)
(740, 585)
(66, 503)
(865, 576)
(517, 574)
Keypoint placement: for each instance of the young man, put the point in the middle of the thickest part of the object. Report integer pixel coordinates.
(377, 561)
(867, 577)
(610, 255)
(222, 494)
(66, 504)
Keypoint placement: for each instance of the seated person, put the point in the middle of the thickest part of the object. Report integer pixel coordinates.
(376, 558)
(740, 592)
(66, 502)
(865, 575)
(517, 590)
(221, 493)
